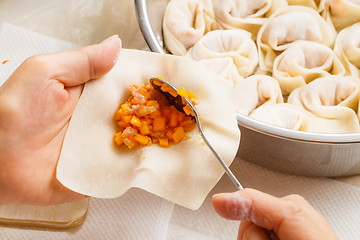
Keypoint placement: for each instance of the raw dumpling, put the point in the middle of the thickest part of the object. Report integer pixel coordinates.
(185, 22)
(333, 102)
(184, 173)
(224, 68)
(318, 5)
(347, 47)
(303, 62)
(344, 13)
(255, 91)
(245, 14)
(234, 44)
(287, 26)
(283, 115)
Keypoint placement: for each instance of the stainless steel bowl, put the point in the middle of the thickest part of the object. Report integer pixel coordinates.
(295, 152)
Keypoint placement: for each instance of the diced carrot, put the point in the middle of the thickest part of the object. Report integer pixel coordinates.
(155, 114)
(181, 116)
(117, 115)
(178, 134)
(155, 140)
(187, 120)
(173, 121)
(169, 134)
(159, 124)
(152, 103)
(165, 112)
(126, 119)
(143, 140)
(144, 130)
(173, 93)
(191, 95)
(166, 88)
(182, 92)
(163, 142)
(158, 83)
(188, 110)
(123, 124)
(118, 139)
(135, 121)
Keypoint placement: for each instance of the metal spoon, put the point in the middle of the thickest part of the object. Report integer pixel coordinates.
(176, 101)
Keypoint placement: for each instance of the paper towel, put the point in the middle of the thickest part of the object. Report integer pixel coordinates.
(140, 215)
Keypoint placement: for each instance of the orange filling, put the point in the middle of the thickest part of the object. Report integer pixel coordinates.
(147, 117)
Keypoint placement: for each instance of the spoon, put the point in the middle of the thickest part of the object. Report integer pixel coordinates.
(179, 105)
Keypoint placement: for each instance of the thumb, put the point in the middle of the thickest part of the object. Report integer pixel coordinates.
(77, 66)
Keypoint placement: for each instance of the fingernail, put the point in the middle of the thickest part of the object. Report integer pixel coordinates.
(255, 232)
(112, 38)
(236, 206)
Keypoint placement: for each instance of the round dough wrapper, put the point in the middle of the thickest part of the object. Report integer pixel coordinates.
(185, 22)
(234, 44)
(255, 91)
(333, 101)
(184, 173)
(288, 26)
(303, 62)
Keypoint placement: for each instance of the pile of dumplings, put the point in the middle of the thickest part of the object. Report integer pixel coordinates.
(291, 63)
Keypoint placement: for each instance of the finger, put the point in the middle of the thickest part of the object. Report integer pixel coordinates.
(254, 232)
(251, 205)
(76, 66)
(244, 225)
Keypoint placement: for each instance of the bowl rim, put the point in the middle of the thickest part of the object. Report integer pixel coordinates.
(147, 31)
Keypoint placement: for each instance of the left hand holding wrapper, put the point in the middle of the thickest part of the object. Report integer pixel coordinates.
(36, 104)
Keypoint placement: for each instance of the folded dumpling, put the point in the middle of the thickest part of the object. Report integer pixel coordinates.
(333, 101)
(344, 13)
(287, 26)
(283, 115)
(303, 62)
(255, 91)
(318, 5)
(224, 68)
(234, 44)
(185, 22)
(347, 47)
(245, 14)
(184, 173)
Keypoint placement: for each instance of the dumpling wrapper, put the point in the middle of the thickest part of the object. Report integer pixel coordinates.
(283, 115)
(236, 44)
(333, 102)
(224, 68)
(246, 14)
(347, 48)
(185, 172)
(343, 13)
(288, 25)
(255, 91)
(318, 5)
(303, 62)
(185, 22)
(60, 216)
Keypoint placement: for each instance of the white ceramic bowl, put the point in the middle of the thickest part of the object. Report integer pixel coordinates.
(295, 152)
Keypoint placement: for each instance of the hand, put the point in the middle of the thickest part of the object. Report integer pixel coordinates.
(290, 217)
(36, 104)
